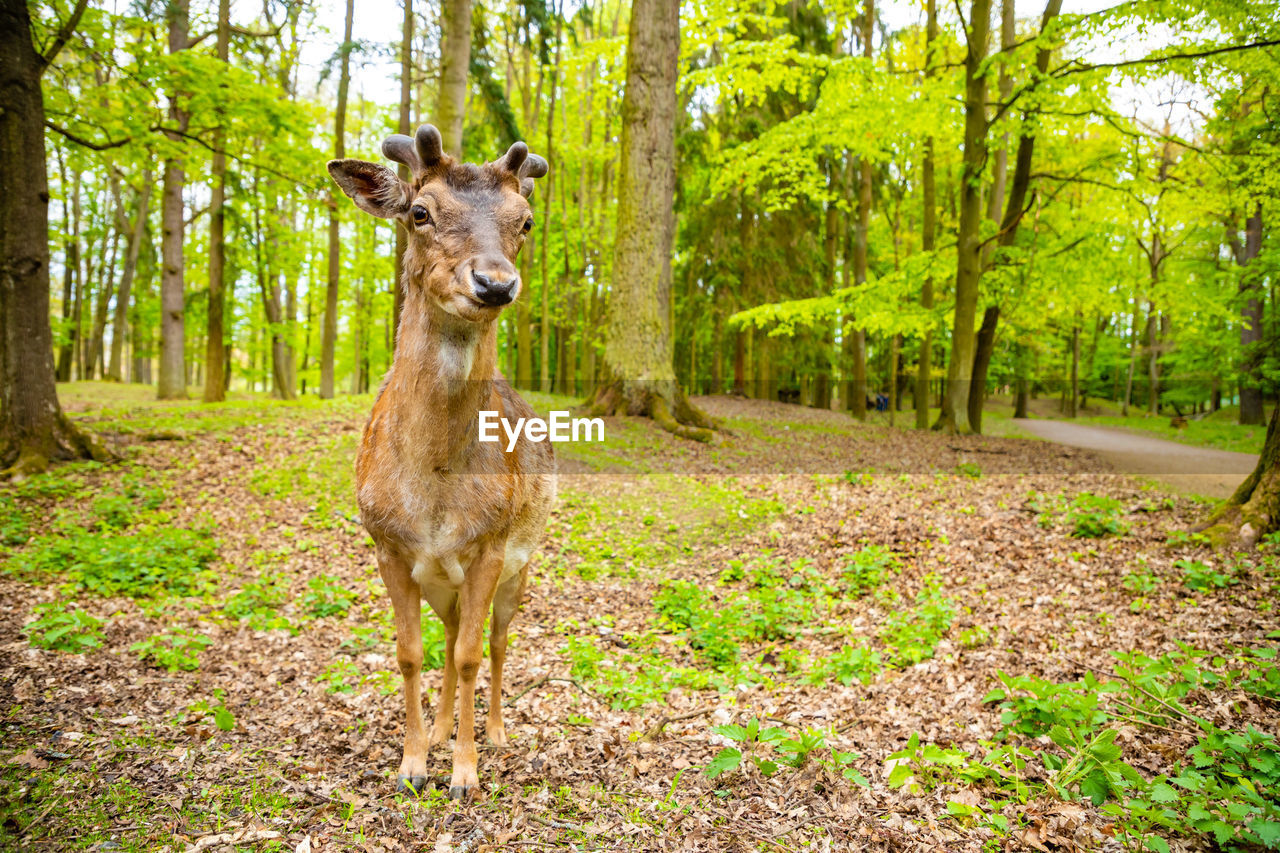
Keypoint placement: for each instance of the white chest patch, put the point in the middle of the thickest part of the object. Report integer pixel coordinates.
(457, 356)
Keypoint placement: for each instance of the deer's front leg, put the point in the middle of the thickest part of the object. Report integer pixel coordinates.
(474, 600)
(444, 602)
(406, 600)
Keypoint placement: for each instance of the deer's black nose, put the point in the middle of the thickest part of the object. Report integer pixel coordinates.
(492, 290)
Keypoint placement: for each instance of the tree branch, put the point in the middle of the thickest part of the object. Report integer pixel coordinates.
(84, 143)
(63, 36)
(1071, 68)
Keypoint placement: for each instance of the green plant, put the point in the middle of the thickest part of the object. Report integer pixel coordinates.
(850, 664)
(1092, 765)
(149, 562)
(341, 676)
(975, 637)
(1202, 577)
(1093, 516)
(969, 469)
(258, 604)
(217, 709)
(912, 635)
(326, 596)
(174, 650)
(868, 569)
(1034, 705)
(14, 527)
(62, 628)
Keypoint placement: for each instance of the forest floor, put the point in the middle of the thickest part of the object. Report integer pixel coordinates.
(811, 635)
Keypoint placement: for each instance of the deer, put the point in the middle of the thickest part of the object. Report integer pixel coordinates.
(454, 521)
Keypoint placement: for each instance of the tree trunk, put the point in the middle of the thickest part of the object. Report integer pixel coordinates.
(214, 348)
(133, 245)
(406, 102)
(33, 429)
(96, 364)
(986, 342)
(928, 230)
(955, 412)
(638, 348)
(1251, 410)
(1254, 510)
(544, 323)
(70, 267)
(455, 58)
(329, 332)
(172, 384)
(1074, 390)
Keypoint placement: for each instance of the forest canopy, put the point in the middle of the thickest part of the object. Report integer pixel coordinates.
(849, 221)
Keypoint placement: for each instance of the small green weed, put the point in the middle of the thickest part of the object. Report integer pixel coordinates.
(63, 628)
(1095, 516)
(326, 596)
(173, 650)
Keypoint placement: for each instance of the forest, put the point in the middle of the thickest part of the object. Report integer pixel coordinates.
(937, 348)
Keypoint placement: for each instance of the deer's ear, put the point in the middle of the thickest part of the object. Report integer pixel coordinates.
(375, 189)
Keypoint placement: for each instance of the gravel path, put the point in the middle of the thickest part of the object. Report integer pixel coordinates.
(1202, 470)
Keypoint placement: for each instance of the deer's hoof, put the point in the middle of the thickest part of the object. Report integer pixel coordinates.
(414, 785)
(461, 792)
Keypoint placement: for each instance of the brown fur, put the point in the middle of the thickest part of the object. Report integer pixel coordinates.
(453, 520)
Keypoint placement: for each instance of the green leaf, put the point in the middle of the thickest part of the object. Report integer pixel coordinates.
(224, 719)
(1268, 832)
(1162, 792)
(1095, 787)
(1157, 844)
(726, 759)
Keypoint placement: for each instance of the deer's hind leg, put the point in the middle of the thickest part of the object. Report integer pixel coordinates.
(506, 601)
(406, 600)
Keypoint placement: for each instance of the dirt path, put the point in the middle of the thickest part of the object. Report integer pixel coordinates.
(1201, 470)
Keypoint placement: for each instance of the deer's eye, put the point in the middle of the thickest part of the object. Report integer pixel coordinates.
(528, 225)
(421, 216)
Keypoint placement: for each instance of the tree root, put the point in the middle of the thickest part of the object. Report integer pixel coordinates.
(33, 454)
(688, 422)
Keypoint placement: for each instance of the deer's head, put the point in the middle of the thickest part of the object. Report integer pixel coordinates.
(466, 223)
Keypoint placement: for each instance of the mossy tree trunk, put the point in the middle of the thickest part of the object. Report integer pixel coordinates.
(1254, 510)
(33, 429)
(638, 353)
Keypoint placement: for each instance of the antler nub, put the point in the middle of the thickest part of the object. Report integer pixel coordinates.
(430, 146)
(515, 157)
(399, 148)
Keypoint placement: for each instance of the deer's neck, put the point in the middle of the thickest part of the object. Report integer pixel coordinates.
(441, 378)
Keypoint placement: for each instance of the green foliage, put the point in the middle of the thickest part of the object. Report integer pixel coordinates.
(850, 664)
(770, 748)
(14, 526)
(145, 563)
(1033, 705)
(912, 635)
(173, 650)
(868, 569)
(1201, 577)
(258, 604)
(326, 595)
(63, 628)
(1095, 516)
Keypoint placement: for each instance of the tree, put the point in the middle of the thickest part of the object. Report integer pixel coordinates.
(172, 384)
(406, 104)
(33, 429)
(955, 413)
(1254, 510)
(638, 357)
(455, 58)
(215, 351)
(329, 333)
